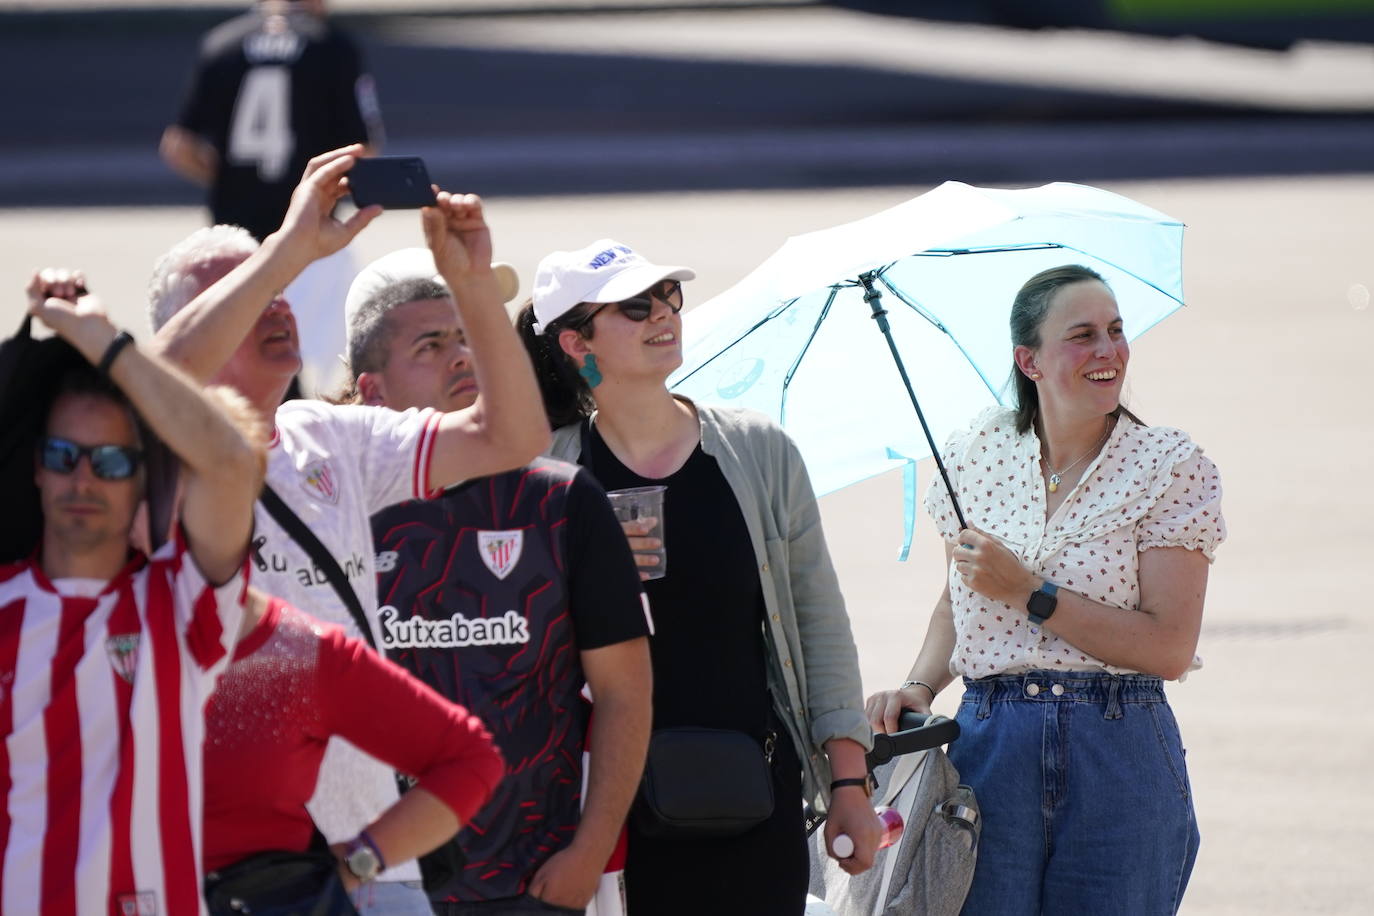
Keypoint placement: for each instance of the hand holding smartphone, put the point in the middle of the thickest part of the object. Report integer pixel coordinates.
(392, 182)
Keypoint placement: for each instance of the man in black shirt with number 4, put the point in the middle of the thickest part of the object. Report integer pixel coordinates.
(271, 89)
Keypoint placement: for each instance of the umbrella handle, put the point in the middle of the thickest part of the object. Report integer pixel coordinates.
(874, 300)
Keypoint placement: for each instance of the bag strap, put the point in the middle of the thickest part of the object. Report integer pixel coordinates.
(319, 554)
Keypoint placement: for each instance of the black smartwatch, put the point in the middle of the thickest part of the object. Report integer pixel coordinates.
(1042, 602)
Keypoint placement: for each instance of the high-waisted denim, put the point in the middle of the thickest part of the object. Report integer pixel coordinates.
(1084, 794)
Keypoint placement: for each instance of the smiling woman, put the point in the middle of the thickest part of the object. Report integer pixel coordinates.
(751, 592)
(1076, 591)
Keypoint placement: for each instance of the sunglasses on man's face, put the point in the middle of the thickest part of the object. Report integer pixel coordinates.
(639, 308)
(108, 462)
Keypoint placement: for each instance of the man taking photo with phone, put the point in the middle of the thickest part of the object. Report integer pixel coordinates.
(506, 594)
(332, 467)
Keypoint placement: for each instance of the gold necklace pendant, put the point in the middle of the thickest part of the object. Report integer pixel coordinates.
(1056, 477)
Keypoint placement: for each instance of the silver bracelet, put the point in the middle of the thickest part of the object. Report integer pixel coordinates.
(932, 690)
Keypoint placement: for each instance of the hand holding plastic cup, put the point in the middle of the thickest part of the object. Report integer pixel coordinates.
(640, 512)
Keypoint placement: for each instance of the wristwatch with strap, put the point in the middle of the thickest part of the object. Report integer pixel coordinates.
(362, 858)
(1041, 604)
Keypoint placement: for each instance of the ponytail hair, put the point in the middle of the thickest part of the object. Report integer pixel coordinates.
(567, 399)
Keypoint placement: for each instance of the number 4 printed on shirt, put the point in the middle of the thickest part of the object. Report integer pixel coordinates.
(260, 133)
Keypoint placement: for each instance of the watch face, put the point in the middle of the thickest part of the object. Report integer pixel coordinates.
(1041, 605)
(362, 861)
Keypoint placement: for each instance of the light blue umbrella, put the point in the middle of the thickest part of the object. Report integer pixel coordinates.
(797, 338)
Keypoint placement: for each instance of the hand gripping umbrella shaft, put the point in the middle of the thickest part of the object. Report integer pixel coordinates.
(874, 300)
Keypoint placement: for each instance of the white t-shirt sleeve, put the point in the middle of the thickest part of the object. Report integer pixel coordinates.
(394, 449)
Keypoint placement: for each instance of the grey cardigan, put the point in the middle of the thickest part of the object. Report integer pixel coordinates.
(813, 666)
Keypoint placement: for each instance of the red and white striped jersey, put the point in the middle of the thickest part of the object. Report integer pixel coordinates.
(101, 706)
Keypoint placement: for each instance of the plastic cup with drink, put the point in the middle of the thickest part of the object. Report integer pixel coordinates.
(643, 504)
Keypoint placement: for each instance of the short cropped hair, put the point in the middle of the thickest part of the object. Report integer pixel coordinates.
(172, 286)
(85, 381)
(369, 331)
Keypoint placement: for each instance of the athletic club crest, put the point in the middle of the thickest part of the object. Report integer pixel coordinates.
(500, 550)
(143, 903)
(319, 482)
(122, 649)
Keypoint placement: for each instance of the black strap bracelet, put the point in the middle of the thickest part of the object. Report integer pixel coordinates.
(860, 781)
(121, 340)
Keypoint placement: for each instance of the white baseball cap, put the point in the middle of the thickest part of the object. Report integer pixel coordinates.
(604, 271)
(412, 264)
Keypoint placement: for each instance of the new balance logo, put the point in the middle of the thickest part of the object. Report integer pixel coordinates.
(453, 633)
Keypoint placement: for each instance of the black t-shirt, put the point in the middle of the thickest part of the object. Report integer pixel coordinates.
(487, 594)
(270, 92)
(708, 647)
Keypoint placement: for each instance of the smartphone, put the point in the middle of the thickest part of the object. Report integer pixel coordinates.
(395, 182)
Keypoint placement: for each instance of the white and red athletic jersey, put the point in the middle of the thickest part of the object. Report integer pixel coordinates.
(101, 705)
(336, 466)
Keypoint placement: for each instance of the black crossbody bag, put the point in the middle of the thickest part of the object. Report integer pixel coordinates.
(704, 783)
(700, 783)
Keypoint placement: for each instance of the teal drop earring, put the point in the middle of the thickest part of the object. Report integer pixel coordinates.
(590, 372)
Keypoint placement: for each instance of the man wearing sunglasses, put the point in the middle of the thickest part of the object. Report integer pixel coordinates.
(334, 466)
(107, 656)
(507, 593)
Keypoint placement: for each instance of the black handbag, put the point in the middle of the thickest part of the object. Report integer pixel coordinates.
(280, 883)
(702, 783)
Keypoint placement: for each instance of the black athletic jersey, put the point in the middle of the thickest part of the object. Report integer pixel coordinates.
(269, 92)
(488, 593)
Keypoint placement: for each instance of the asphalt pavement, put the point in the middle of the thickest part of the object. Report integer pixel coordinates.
(548, 99)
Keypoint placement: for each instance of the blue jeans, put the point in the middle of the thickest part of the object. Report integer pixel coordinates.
(1084, 794)
(524, 905)
(392, 898)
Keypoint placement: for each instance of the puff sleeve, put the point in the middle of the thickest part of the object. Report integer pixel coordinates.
(1188, 513)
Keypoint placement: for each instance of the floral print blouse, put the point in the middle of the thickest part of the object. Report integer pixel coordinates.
(1150, 486)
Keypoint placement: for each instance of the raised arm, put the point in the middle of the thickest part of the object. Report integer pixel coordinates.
(223, 470)
(203, 336)
(506, 427)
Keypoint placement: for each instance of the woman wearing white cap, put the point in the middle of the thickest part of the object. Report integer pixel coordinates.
(751, 630)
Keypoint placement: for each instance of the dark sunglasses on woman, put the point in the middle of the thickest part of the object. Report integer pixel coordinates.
(639, 308)
(108, 462)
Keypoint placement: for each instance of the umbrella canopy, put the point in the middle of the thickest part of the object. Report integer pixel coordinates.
(796, 338)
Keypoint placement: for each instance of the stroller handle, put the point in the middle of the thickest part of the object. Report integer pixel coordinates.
(917, 732)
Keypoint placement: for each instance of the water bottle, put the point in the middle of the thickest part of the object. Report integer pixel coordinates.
(893, 824)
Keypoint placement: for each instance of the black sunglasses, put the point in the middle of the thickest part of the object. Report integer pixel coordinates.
(639, 308)
(108, 462)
